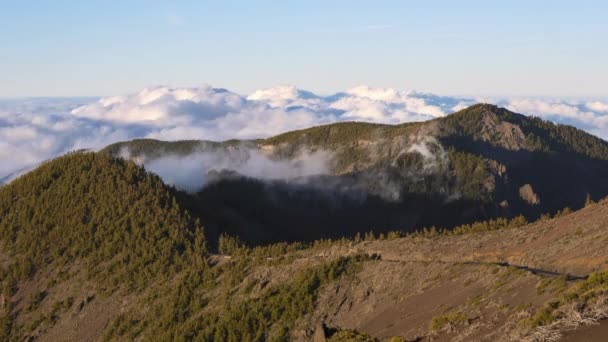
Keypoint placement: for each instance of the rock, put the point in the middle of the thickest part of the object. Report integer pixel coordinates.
(319, 335)
(527, 194)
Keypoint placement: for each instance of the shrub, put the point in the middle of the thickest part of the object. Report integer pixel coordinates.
(439, 322)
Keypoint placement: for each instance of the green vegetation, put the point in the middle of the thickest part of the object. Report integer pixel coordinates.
(472, 174)
(122, 221)
(486, 164)
(268, 317)
(541, 135)
(336, 134)
(120, 224)
(476, 227)
(397, 339)
(125, 227)
(155, 148)
(553, 285)
(6, 325)
(560, 138)
(106, 222)
(439, 322)
(432, 232)
(583, 294)
(346, 335)
(88, 213)
(35, 300)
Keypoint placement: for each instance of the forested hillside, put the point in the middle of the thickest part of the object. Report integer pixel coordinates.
(479, 163)
(88, 240)
(96, 248)
(118, 223)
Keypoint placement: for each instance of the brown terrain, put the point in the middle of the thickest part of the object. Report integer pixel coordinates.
(488, 282)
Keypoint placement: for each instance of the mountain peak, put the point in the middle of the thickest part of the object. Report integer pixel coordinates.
(480, 108)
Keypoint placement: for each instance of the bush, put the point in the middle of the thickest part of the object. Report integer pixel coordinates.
(439, 322)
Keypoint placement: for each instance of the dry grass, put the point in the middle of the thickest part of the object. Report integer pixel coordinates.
(571, 316)
(446, 321)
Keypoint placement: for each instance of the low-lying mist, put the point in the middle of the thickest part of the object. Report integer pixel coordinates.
(261, 197)
(193, 171)
(418, 159)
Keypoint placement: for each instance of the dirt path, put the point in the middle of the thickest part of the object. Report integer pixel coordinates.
(535, 271)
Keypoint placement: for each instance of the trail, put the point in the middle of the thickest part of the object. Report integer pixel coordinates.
(535, 271)
(220, 259)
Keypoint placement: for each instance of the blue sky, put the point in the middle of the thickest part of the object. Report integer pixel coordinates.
(506, 48)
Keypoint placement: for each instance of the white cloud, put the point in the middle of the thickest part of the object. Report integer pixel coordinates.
(277, 96)
(162, 106)
(598, 106)
(33, 130)
(543, 107)
(191, 172)
(588, 116)
(380, 94)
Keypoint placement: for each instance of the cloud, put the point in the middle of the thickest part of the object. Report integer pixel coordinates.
(162, 106)
(433, 153)
(387, 105)
(33, 130)
(193, 171)
(589, 116)
(597, 106)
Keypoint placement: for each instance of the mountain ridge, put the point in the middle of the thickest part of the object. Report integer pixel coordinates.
(479, 163)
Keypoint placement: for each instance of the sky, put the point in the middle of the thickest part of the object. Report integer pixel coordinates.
(473, 48)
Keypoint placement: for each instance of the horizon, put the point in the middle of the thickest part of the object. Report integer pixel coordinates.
(322, 94)
(489, 97)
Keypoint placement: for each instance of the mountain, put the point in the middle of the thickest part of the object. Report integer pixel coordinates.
(91, 217)
(95, 248)
(479, 163)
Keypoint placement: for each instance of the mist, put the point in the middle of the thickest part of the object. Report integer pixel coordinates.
(305, 171)
(193, 171)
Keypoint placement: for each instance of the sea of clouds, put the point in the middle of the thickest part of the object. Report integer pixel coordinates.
(34, 130)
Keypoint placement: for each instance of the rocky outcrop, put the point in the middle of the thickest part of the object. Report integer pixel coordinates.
(502, 133)
(528, 195)
(319, 335)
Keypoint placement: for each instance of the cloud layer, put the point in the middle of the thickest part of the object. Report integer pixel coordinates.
(33, 130)
(193, 171)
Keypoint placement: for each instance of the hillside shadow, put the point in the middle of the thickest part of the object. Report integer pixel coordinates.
(560, 179)
(262, 212)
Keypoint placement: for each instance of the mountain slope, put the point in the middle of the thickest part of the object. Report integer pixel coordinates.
(479, 163)
(529, 282)
(76, 265)
(91, 216)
